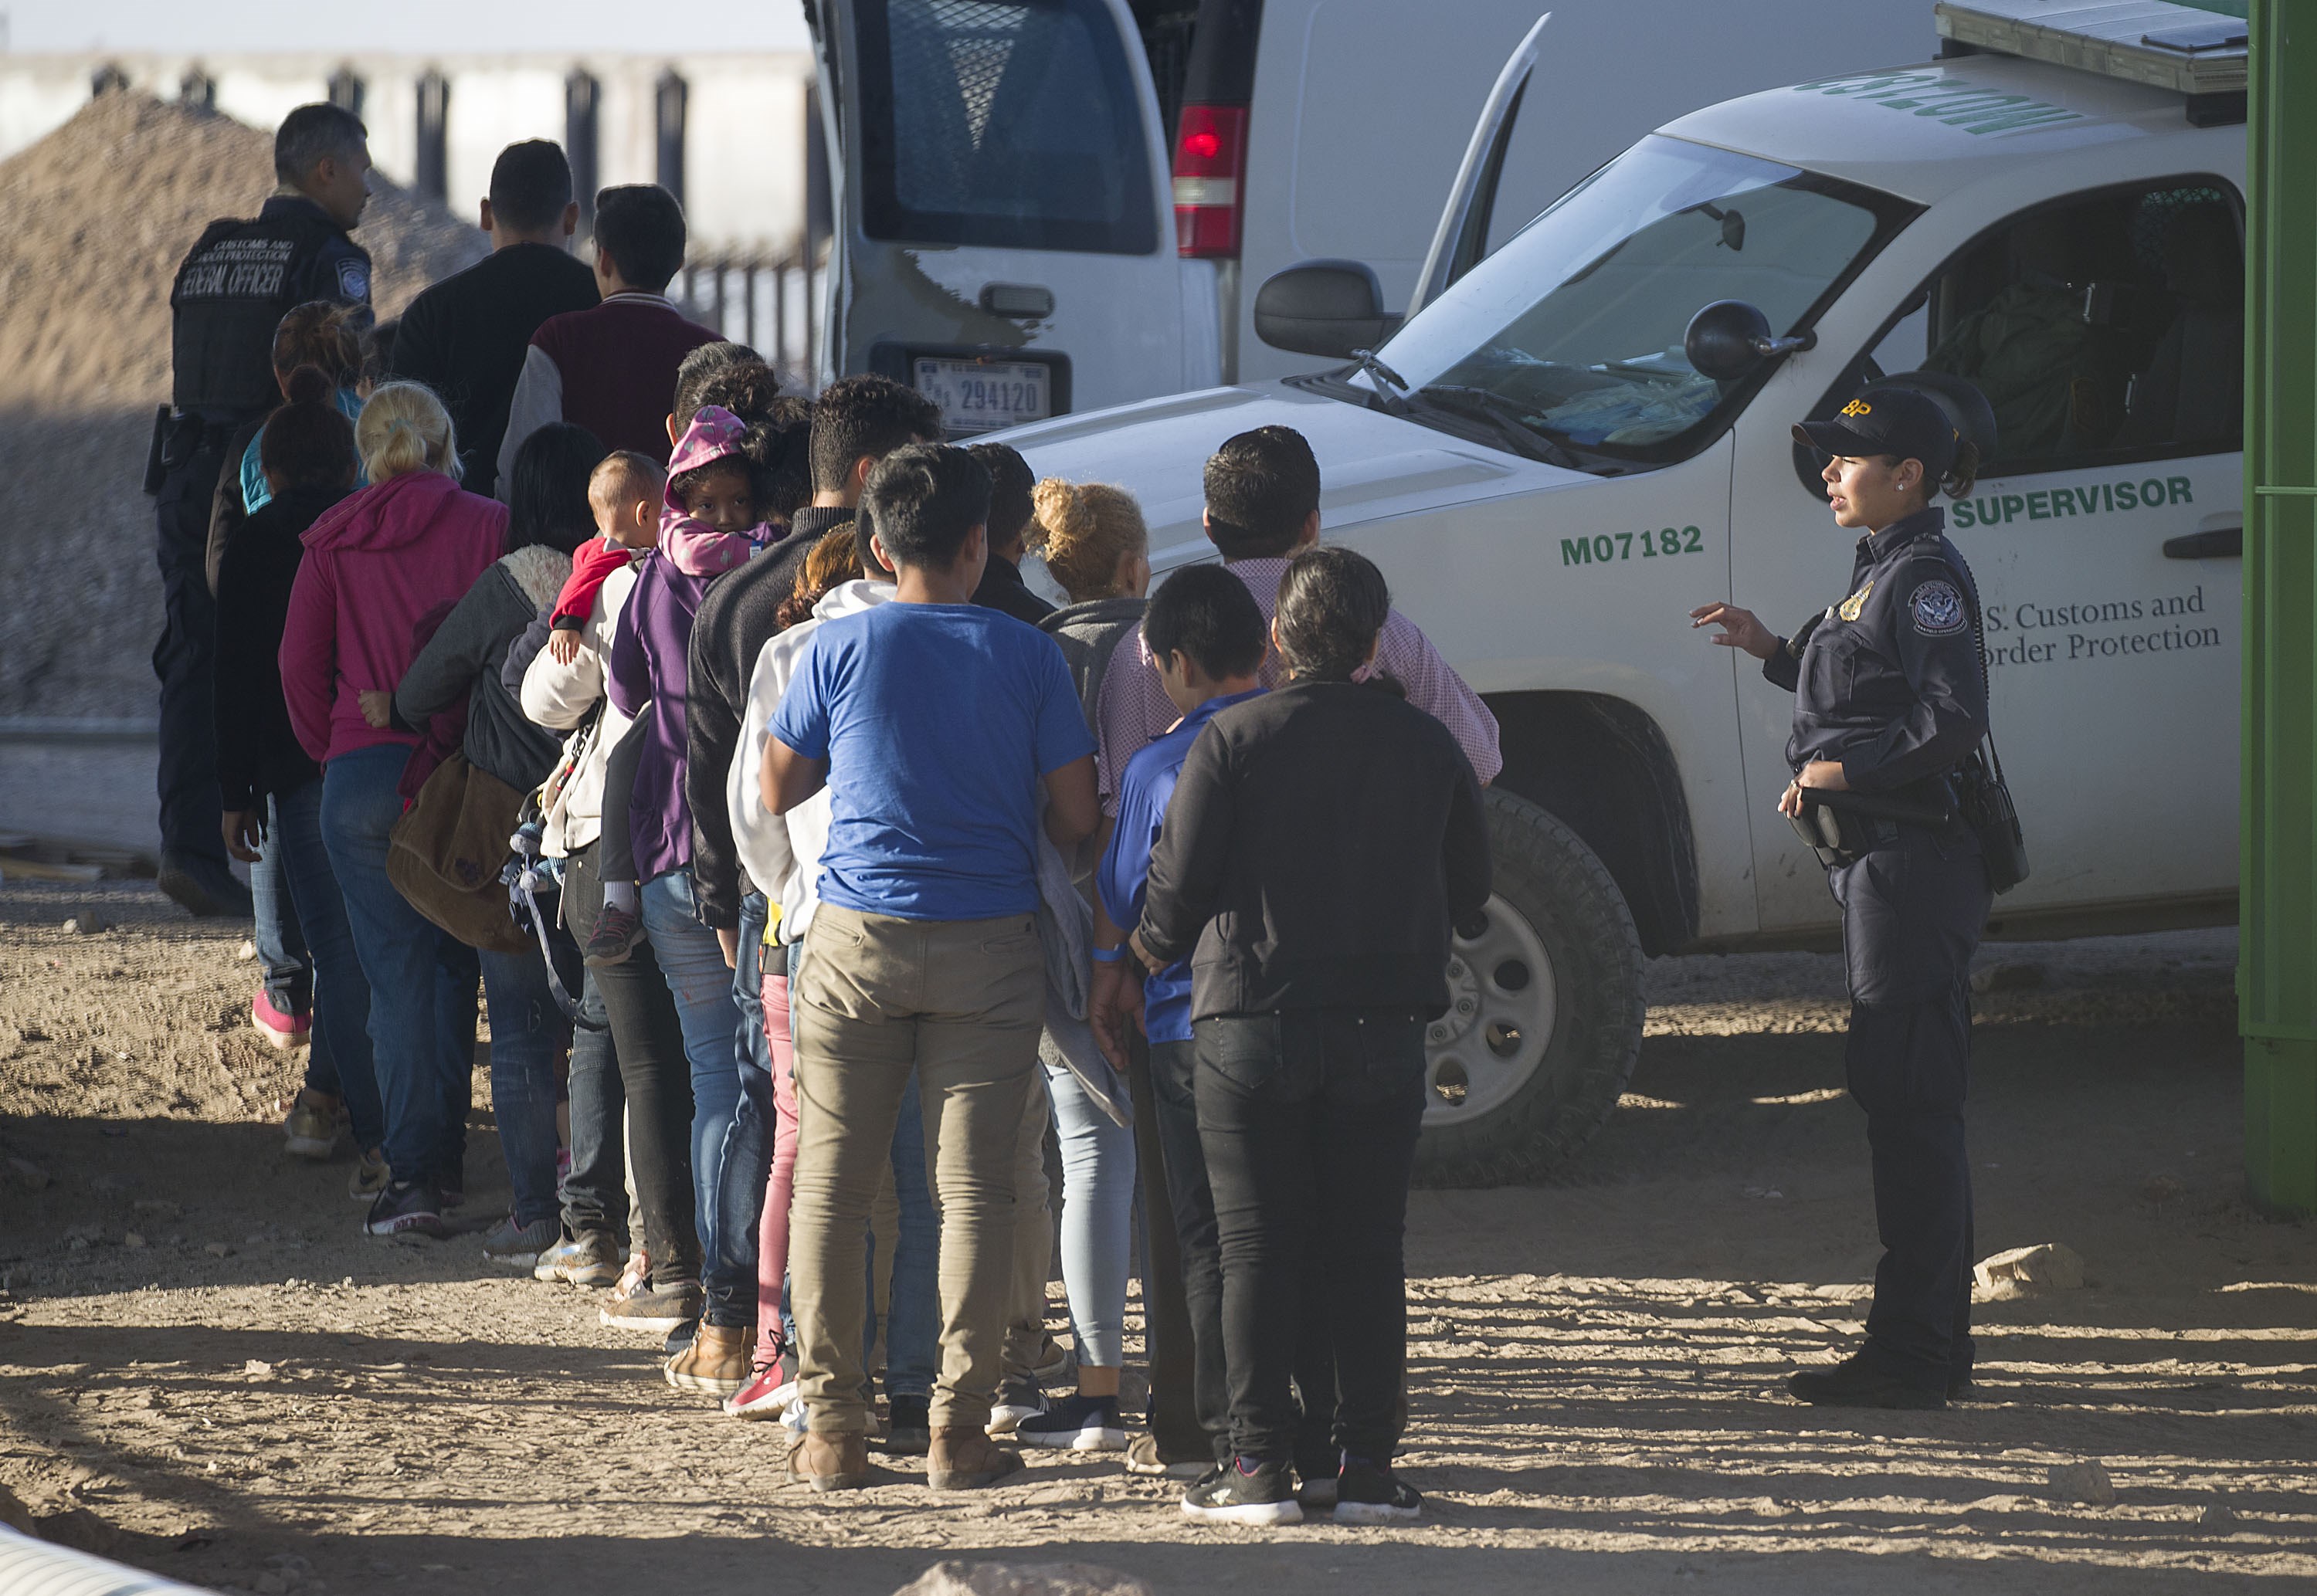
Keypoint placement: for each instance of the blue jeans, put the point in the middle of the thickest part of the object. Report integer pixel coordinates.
(422, 982)
(1098, 1219)
(692, 962)
(281, 951)
(732, 1272)
(528, 1030)
(912, 1319)
(339, 1063)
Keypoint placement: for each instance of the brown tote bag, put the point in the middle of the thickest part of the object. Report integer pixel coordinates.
(446, 853)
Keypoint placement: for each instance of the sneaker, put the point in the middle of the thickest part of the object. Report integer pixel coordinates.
(204, 886)
(518, 1246)
(1245, 1492)
(633, 1277)
(909, 1426)
(313, 1125)
(654, 1310)
(1370, 1494)
(1055, 1363)
(401, 1207)
(372, 1176)
(680, 1338)
(591, 1262)
(766, 1395)
(279, 1028)
(1144, 1458)
(1017, 1399)
(1077, 1424)
(1316, 1490)
(717, 1361)
(1853, 1383)
(617, 933)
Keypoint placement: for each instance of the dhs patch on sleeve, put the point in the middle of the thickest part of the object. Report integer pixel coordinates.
(1937, 609)
(353, 281)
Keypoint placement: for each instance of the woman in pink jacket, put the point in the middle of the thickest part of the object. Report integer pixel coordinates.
(376, 565)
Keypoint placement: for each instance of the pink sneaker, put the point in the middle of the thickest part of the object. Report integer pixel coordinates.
(278, 1029)
(766, 1395)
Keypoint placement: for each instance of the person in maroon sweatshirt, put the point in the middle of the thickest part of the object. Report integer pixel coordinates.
(610, 368)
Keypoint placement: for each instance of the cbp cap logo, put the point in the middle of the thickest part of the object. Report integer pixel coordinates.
(1857, 407)
(1937, 610)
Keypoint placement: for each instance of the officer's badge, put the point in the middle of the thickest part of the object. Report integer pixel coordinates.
(1850, 607)
(1937, 609)
(353, 281)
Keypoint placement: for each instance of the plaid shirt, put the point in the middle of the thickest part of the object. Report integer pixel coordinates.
(1135, 710)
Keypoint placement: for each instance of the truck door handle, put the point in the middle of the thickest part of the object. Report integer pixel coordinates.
(2219, 543)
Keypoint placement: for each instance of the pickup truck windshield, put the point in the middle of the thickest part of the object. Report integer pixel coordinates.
(1573, 330)
(1013, 123)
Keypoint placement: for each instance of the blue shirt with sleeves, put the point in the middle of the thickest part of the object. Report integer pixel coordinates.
(1143, 790)
(937, 722)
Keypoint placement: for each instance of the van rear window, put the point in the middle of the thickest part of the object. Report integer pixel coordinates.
(1013, 123)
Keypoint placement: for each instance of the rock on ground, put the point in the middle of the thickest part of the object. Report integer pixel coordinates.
(955, 1578)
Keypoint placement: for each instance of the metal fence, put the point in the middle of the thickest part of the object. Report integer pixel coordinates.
(768, 301)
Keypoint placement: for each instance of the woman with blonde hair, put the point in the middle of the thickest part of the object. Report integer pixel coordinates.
(400, 551)
(1096, 546)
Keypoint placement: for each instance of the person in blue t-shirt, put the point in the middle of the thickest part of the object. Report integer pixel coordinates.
(1207, 635)
(935, 727)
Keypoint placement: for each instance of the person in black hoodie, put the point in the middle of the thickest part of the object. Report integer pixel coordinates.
(270, 791)
(1311, 989)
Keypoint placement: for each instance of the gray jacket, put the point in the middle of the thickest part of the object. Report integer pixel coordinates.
(462, 661)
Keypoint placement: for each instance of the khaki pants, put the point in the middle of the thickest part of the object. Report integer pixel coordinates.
(1033, 1236)
(961, 1001)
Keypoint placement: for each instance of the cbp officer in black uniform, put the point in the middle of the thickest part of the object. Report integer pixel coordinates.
(231, 293)
(1890, 698)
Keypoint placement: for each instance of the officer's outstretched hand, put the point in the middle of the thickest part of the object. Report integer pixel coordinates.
(1740, 628)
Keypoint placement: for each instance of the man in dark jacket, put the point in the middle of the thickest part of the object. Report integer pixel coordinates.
(466, 336)
(231, 293)
(1311, 989)
(856, 422)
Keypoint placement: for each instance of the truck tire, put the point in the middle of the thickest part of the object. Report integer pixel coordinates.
(1545, 1015)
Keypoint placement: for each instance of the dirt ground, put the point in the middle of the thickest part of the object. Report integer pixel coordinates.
(205, 1369)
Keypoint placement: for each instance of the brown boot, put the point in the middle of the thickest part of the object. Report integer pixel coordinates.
(718, 1361)
(963, 1459)
(830, 1462)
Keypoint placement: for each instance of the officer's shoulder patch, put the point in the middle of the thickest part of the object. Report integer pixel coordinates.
(1937, 609)
(354, 280)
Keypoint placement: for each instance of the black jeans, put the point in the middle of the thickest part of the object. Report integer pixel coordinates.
(1912, 909)
(1308, 1121)
(185, 657)
(596, 1192)
(731, 1278)
(1183, 1310)
(655, 1080)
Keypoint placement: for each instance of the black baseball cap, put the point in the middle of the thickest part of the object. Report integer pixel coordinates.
(1902, 423)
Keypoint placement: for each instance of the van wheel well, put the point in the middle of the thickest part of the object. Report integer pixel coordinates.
(1604, 770)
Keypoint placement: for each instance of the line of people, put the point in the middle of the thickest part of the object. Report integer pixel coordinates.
(878, 875)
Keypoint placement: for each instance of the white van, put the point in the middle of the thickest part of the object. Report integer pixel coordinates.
(1050, 206)
(1559, 455)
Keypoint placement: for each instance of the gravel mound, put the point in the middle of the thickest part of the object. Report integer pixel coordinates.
(94, 220)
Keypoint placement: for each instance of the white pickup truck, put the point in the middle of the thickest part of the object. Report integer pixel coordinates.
(1556, 457)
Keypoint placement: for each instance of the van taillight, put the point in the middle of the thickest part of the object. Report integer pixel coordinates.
(1210, 169)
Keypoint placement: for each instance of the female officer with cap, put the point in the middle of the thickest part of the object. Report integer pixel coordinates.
(1890, 698)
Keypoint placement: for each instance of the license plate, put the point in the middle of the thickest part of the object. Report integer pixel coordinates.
(976, 396)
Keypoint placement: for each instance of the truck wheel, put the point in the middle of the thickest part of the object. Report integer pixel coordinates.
(1545, 1011)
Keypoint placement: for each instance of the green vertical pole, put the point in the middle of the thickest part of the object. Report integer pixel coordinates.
(2276, 979)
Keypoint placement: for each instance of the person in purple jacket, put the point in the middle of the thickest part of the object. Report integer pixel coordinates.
(714, 519)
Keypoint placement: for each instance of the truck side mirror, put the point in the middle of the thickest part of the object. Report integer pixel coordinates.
(1323, 307)
(1728, 338)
